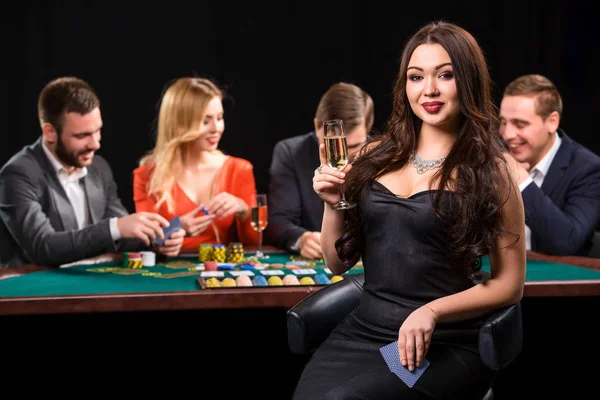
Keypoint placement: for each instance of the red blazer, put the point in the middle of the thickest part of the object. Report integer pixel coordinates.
(235, 176)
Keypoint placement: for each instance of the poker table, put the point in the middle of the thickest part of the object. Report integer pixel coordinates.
(102, 284)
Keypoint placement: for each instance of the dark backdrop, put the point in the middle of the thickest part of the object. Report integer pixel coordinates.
(275, 60)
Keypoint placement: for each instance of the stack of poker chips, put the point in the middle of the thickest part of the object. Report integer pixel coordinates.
(235, 252)
(243, 280)
(205, 252)
(307, 280)
(322, 279)
(275, 281)
(219, 253)
(148, 258)
(210, 265)
(260, 280)
(132, 260)
(213, 282)
(228, 282)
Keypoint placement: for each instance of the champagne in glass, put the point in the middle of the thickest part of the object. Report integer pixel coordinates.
(259, 219)
(336, 153)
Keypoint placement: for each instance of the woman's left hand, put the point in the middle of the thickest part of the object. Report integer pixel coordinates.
(225, 204)
(414, 337)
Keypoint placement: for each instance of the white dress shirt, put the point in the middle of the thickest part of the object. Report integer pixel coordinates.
(537, 175)
(76, 193)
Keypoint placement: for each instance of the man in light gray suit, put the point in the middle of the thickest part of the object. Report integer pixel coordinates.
(295, 210)
(59, 203)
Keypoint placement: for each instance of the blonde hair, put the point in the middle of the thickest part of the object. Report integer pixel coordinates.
(183, 108)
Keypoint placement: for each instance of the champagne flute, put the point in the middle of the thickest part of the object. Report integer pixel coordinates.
(259, 220)
(336, 153)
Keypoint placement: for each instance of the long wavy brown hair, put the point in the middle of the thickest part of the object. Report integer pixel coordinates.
(474, 169)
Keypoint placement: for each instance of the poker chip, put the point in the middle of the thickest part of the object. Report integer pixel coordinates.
(275, 281)
(228, 282)
(322, 279)
(213, 282)
(290, 280)
(243, 280)
(211, 265)
(307, 280)
(205, 252)
(148, 258)
(219, 253)
(260, 280)
(132, 260)
(135, 264)
(235, 252)
(225, 267)
(127, 255)
(336, 278)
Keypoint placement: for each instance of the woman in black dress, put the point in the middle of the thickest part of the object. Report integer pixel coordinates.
(434, 195)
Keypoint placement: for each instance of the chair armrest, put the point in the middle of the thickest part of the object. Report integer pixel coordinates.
(312, 319)
(501, 337)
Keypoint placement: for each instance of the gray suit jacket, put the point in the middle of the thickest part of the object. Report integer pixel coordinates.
(294, 207)
(37, 221)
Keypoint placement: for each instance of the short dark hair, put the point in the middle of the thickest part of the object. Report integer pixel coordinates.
(347, 102)
(64, 95)
(547, 96)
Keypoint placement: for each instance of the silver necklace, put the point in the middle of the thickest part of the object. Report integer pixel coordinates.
(423, 166)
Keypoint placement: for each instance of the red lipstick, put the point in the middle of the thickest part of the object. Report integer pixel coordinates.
(432, 106)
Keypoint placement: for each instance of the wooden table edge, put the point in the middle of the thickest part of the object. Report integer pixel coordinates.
(234, 298)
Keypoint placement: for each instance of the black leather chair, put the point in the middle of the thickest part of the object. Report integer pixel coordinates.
(311, 320)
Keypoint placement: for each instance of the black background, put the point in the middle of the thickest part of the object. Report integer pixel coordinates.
(275, 61)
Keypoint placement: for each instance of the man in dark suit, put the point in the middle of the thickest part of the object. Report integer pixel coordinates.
(558, 177)
(295, 210)
(59, 203)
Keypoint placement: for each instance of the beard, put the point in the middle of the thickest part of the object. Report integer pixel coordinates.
(70, 158)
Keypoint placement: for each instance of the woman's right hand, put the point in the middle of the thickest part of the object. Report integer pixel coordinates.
(327, 181)
(196, 225)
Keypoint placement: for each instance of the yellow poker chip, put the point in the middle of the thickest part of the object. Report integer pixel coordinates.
(213, 282)
(275, 281)
(135, 264)
(228, 282)
(307, 280)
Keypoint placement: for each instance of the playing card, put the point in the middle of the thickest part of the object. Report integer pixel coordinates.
(174, 226)
(392, 359)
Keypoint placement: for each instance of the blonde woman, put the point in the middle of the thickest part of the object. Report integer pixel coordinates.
(186, 175)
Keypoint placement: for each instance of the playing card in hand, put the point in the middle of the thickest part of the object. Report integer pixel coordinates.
(392, 359)
(174, 226)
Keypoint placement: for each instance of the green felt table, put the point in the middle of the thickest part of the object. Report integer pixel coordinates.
(170, 276)
(175, 285)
